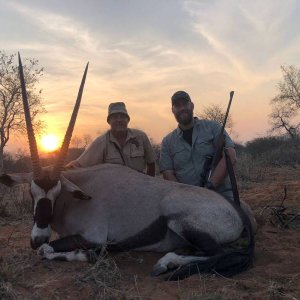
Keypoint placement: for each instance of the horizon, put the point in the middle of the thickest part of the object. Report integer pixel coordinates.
(141, 52)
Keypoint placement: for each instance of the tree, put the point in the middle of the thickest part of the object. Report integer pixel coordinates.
(76, 142)
(87, 139)
(216, 113)
(81, 142)
(281, 120)
(11, 109)
(286, 103)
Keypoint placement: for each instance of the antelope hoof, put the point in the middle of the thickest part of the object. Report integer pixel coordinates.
(158, 270)
(45, 249)
(167, 263)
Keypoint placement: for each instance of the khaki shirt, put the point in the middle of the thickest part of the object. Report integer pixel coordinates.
(188, 162)
(136, 153)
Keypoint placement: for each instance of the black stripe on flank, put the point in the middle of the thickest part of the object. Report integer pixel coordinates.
(201, 241)
(154, 233)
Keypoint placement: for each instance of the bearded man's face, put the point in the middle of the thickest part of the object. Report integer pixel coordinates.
(183, 111)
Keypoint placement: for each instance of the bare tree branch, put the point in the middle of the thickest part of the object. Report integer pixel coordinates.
(216, 113)
(11, 108)
(286, 103)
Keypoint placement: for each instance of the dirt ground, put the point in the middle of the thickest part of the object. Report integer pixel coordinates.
(275, 275)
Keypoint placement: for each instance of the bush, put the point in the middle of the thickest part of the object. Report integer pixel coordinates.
(21, 162)
(274, 151)
(250, 169)
(15, 202)
(262, 145)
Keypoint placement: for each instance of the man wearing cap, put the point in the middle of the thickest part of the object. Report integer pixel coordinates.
(119, 145)
(186, 150)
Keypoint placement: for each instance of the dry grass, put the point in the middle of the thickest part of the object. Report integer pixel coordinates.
(104, 278)
(25, 276)
(7, 291)
(15, 203)
(251, 170)
(280, 212)
(212, 296)
(9, 277)
(99, 281)
(281, 290)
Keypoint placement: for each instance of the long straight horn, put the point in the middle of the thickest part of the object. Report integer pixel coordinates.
(65, 146)
(36, 167)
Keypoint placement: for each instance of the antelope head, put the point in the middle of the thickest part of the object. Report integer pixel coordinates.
(45, 185)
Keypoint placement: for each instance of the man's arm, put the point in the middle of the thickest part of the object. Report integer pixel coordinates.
(74, 164)
(92, 155)
(166, 162)
(220, 171)
(169, 175)
(149, 156)
(151, 169)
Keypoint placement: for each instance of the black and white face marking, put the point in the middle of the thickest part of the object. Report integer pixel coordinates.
(44, 193)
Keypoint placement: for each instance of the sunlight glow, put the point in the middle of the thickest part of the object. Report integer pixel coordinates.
(49, 142)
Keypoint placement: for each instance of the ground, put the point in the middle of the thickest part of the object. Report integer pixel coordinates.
(275, 274)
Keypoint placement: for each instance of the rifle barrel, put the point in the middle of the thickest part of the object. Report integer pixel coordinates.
(228, 108)
(220, 141)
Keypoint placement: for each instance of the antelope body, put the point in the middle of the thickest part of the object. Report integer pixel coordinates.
(136, 211)
(128, 210)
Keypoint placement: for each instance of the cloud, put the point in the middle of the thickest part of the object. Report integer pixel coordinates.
(246, 33)
(64, 28)
(143, 51)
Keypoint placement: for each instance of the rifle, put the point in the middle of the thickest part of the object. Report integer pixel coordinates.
(211, 162)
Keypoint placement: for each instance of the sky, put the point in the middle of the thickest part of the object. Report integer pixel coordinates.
(142, 51)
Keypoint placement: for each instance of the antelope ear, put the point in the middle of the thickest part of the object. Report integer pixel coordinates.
(14, 179)
(68, 186)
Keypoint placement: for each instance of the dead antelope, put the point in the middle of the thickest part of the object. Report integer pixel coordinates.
(127, 210)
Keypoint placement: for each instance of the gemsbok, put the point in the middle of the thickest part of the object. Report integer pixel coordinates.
(115, 207)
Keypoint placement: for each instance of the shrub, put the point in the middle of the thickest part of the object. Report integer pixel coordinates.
(274, 151)
(250, 169)
(15, 202)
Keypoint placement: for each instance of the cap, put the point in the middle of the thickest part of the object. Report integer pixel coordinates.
(117, 107)
(180, 95)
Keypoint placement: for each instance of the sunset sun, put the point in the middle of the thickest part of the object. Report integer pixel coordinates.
(49, 142)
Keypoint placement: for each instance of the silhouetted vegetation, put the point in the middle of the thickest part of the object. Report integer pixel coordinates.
(286, 104)
(21, 162)
(259, 156)
(272, 151)
(275, 151)
(11, 108)
(259, 146)
(216, 113)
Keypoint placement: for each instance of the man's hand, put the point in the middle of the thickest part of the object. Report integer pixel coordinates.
(72, 165)
(220, 171)
(151, 169)
(209, 185)
(169, 175)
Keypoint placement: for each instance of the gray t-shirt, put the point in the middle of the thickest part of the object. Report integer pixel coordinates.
(188, 161)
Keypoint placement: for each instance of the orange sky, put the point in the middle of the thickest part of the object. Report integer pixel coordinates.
(150, 112)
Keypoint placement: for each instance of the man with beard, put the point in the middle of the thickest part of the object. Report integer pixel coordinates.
(187, 150)
(119, 145)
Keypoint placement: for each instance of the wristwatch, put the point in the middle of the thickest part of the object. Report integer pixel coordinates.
(209, 185)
